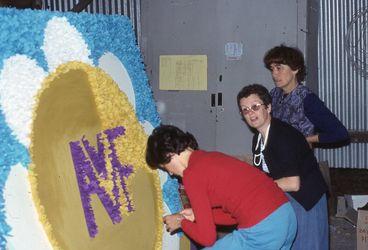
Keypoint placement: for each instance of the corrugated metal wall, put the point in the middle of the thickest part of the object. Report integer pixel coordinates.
(343, 85)
(130, 8)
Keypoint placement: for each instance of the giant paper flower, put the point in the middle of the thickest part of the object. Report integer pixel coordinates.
(36, 48)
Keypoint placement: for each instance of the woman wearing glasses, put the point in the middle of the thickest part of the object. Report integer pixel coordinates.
(283, 153)
(296, 104)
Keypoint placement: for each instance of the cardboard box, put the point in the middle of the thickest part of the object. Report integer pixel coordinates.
(362, 228)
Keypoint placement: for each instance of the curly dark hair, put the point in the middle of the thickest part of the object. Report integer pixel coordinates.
(167, 139)
(290, 56)
(256, 89)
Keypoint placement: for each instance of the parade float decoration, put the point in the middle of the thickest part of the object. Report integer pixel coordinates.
(75, 112)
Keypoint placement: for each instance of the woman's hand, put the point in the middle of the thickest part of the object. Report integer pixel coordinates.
(312, 139)
(188, 214)
(289, 184)
(173, 222)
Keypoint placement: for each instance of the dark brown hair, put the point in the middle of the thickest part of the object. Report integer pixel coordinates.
(165, 140)
(256, 89)
(290, 56)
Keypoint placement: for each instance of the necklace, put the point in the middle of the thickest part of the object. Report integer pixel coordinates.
(259, 158)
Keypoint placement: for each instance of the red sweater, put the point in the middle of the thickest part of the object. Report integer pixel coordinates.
(223, 190)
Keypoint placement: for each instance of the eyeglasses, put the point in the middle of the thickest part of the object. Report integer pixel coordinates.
(254, 108)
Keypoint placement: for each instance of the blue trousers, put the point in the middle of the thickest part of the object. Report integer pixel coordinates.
(313, 231)
(276, 231)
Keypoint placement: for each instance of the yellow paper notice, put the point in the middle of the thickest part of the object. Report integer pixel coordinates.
(183, 72)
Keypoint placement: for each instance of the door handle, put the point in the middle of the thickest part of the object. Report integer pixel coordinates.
(219, 99)
(213, 100)
(217, 103)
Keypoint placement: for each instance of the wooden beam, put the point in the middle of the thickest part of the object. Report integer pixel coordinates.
(358, 136)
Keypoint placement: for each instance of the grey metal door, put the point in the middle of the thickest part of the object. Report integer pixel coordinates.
(192, 27)
(259, 26)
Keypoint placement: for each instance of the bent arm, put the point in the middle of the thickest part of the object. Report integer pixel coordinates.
(289, 184)
(202, 229)
(222, 218)
(327, 125)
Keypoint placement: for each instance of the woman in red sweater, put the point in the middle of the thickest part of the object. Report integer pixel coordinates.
(222, 191)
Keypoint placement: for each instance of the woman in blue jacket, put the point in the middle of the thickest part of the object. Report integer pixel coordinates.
(294, 103)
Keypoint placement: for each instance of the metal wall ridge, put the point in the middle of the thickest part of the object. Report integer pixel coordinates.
(342, 74)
